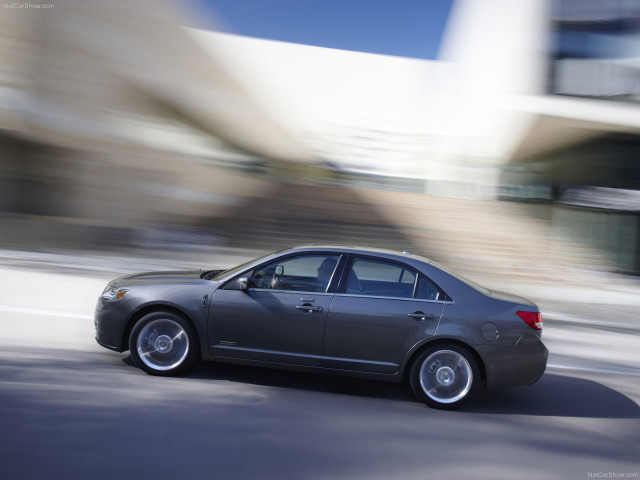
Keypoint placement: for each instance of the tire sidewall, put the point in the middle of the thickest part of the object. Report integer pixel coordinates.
(416, 386)
(192, 353)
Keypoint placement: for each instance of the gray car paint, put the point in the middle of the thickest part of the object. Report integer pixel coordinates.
(354, 335)
(265, 325)
(372, 334)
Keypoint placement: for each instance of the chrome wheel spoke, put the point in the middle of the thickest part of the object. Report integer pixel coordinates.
(162, 344)
(446, 376)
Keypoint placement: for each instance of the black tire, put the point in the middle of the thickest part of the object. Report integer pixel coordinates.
(163, 343)
(445, 376)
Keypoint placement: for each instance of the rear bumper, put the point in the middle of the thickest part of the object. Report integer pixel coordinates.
(522, 364)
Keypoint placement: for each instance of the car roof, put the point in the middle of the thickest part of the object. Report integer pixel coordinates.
(405, 255)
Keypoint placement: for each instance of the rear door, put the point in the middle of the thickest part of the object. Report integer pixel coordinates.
(385, 309)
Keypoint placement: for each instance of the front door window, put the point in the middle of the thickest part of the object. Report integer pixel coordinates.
(305, 273)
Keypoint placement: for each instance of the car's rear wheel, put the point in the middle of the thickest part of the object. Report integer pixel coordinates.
(163, 343)
(445, 376)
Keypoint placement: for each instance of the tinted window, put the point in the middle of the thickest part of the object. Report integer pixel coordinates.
(239, 268)
(380, 278)
(310, 273)
(428, 291)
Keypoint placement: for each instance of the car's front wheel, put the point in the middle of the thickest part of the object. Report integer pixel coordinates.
(163, 343)
(445, 376)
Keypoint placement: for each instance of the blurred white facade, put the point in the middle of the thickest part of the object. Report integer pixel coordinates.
(90, 73)
(456, 122)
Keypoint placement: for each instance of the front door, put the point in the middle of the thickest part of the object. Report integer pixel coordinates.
(280, 318)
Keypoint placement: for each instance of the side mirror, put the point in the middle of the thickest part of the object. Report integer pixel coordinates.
(243, 283)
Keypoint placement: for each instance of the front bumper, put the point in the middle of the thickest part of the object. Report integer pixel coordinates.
(522, 364)
(110, 321)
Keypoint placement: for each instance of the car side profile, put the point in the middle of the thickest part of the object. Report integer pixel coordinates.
(362, 312)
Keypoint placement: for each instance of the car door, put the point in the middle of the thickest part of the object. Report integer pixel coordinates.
(281, 317)
(385, 309)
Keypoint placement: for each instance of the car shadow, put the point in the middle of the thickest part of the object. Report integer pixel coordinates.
(553, 395)
(557, 396)
(314, 382)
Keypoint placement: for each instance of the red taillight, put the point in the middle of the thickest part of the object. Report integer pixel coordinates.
(533, 319)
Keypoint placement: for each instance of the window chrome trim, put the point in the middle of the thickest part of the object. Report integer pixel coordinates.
(306, 292)
(394, 298)
(411, 268)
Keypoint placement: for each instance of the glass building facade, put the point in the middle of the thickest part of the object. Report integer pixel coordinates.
(596, 49)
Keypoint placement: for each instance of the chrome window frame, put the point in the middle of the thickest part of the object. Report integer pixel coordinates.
(415, 271)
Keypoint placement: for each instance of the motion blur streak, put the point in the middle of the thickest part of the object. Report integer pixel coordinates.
(130, 142)
(121, 128)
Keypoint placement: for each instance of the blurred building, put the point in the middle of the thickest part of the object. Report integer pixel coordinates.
(561, 79)
(507, 90)
(114, 116)
(534, 100)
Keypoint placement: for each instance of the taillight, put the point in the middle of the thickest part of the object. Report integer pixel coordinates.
(533, 319)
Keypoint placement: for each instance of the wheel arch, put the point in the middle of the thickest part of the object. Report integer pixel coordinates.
(157, 307)
(443, 341)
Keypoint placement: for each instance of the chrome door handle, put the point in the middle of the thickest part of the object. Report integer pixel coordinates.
(421, 316)
(309, 308)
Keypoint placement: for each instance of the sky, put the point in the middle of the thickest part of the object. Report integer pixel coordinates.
(406, 28)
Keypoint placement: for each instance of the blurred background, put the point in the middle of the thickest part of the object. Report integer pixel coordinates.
(153, 135)
(513, 156)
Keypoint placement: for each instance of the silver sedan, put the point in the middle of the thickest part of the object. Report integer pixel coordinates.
(361, 312)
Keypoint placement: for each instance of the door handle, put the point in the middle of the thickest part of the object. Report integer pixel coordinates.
(421, 316)
(309, 308)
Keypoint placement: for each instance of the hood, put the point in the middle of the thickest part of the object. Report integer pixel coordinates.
(153, 278)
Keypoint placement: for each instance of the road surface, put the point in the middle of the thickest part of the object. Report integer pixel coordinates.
(72, 409)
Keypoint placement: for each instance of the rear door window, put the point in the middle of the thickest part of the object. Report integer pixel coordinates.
(427, 290)
(379, 278)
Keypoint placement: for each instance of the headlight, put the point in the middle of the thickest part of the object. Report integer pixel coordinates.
(111, 293)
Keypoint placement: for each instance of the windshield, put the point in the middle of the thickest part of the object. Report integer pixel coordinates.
(209, 274)
(239, 268)
(471, 283)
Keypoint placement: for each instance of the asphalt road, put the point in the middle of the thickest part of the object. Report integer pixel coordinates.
(71, 409)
